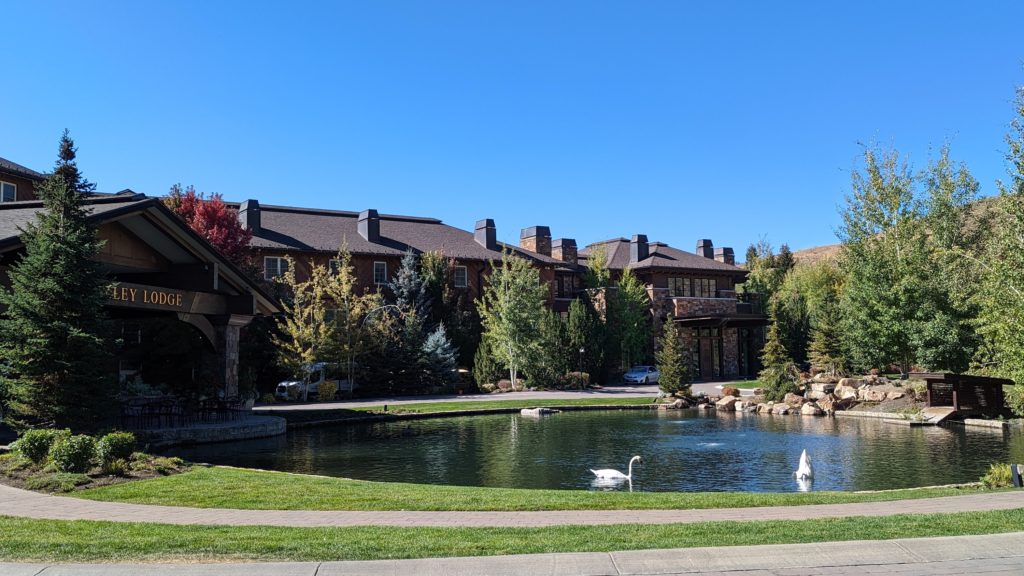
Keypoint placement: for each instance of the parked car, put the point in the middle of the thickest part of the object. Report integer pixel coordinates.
(305, 389)
(642, 375)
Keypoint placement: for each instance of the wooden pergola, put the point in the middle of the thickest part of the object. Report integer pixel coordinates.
(968, 395)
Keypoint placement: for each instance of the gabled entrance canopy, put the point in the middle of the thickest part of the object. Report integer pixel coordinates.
(159, 265)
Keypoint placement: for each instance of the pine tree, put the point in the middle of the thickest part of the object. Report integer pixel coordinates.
(673, 360)
(825, 350)
(53, 327)
(779, 374)
(409, 288)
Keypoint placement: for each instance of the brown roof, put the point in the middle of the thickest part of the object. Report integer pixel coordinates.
(662, 256)
(14, 216)
(311, 230)
(8, 167)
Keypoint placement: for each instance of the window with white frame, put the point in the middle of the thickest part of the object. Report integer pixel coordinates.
(274, 267)
(460, 277)
(8, 192)
(380, 272)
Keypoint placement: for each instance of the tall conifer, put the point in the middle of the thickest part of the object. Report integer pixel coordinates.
(54, 350)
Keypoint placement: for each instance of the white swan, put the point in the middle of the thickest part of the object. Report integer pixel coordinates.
(804, 471)
(612, 474)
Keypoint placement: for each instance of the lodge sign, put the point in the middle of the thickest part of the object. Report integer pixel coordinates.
(137, 295)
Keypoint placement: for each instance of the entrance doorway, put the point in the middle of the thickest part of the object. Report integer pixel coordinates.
(707, 353)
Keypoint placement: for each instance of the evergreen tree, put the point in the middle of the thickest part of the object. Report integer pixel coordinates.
(673, 359)
(633, 309)
(486, 369)
(825, 350)
(779, 375)
(511, 309)
(409, 288)
(439, 358)
(585, 331)
(597, 274)
(450, 306)
(55, 351)
(549, 362)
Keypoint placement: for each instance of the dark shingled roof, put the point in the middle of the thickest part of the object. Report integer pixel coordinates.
(8, 167)
(14, 216)
(661, 256)
(288, 228)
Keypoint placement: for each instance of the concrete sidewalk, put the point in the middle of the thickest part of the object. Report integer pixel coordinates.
(26, 504)
(992, 554)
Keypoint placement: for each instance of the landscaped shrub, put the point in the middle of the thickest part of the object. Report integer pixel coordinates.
(74, 454)
(268, 398)
(117, 467)
(1015, 398)
(35, 444)
(326, 390)
(115, 446)
(998, 476)
(578, 380)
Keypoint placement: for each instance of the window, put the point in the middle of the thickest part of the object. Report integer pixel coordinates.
(380, 272)
(334, 265)
(680, 287)
(274, 267)
(461, 277)
(705, 288)
(8, 192)
(565, 286)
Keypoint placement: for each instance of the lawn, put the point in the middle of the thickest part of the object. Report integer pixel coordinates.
(89, 541)
(222, 487)
(446, 408)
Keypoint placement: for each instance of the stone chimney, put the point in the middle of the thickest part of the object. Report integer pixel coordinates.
(725, 255)
(564, 249)
(536, 239)
(706, 248)
(638, 248)
(249, 215)
(485, 234)
(369, 225)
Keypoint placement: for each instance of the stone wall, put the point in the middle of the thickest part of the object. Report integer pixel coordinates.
(730, 353)
(693, 307)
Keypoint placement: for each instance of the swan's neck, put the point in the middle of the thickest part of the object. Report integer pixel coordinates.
(629, 473)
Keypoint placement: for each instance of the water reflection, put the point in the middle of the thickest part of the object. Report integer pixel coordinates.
(692, 452)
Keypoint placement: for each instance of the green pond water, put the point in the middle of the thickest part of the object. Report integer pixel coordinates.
(682, 451)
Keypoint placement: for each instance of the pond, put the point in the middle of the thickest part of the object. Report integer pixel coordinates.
(682, 451)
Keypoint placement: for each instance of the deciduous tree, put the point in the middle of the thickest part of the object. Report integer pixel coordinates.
(213, 220)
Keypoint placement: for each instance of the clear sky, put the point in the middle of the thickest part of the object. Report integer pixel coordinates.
(681, 120)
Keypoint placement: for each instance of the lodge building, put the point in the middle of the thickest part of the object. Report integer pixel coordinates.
(163, 271)
(164, 275)
(696, 289)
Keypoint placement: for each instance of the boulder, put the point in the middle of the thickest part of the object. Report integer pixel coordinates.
(731, 391)
(750, 408)
(794, 399)
(811, 409)
(815, 395)
(871, 395)
(894, 395)
(679, 404)
(707, 406)
(727, 404)
(781, 409)
(763, 408)
(851, 382)
(825, 387)
(844, 392)
(758, 391)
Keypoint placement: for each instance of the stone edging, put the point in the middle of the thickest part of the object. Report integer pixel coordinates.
(453, 413)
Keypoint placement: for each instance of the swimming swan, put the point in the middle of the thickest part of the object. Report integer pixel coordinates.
(805, 471)
(611, 474)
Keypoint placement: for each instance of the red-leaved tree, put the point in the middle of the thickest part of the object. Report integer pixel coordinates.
(213, 220)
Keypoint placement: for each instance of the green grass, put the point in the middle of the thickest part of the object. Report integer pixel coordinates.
(327, 414)
(89, 541)
(219, 487)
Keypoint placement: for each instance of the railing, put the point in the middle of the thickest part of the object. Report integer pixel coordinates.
(148, 413)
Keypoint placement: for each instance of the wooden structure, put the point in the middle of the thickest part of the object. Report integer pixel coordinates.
(968, 395)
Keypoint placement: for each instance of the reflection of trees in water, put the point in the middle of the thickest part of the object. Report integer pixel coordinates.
(682, 451)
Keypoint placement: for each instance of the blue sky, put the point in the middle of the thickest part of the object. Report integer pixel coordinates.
(681, 120)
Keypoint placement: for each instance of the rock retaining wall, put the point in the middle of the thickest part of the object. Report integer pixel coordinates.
(247, 429)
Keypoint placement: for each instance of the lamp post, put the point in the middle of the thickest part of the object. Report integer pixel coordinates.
(582, 350)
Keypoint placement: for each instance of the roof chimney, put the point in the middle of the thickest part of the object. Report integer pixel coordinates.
(564, 249)
(369, 225)
(485, 234)
(725, 255)
(638, 248)
(249, 215)
(536, 239)
(706, 248)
